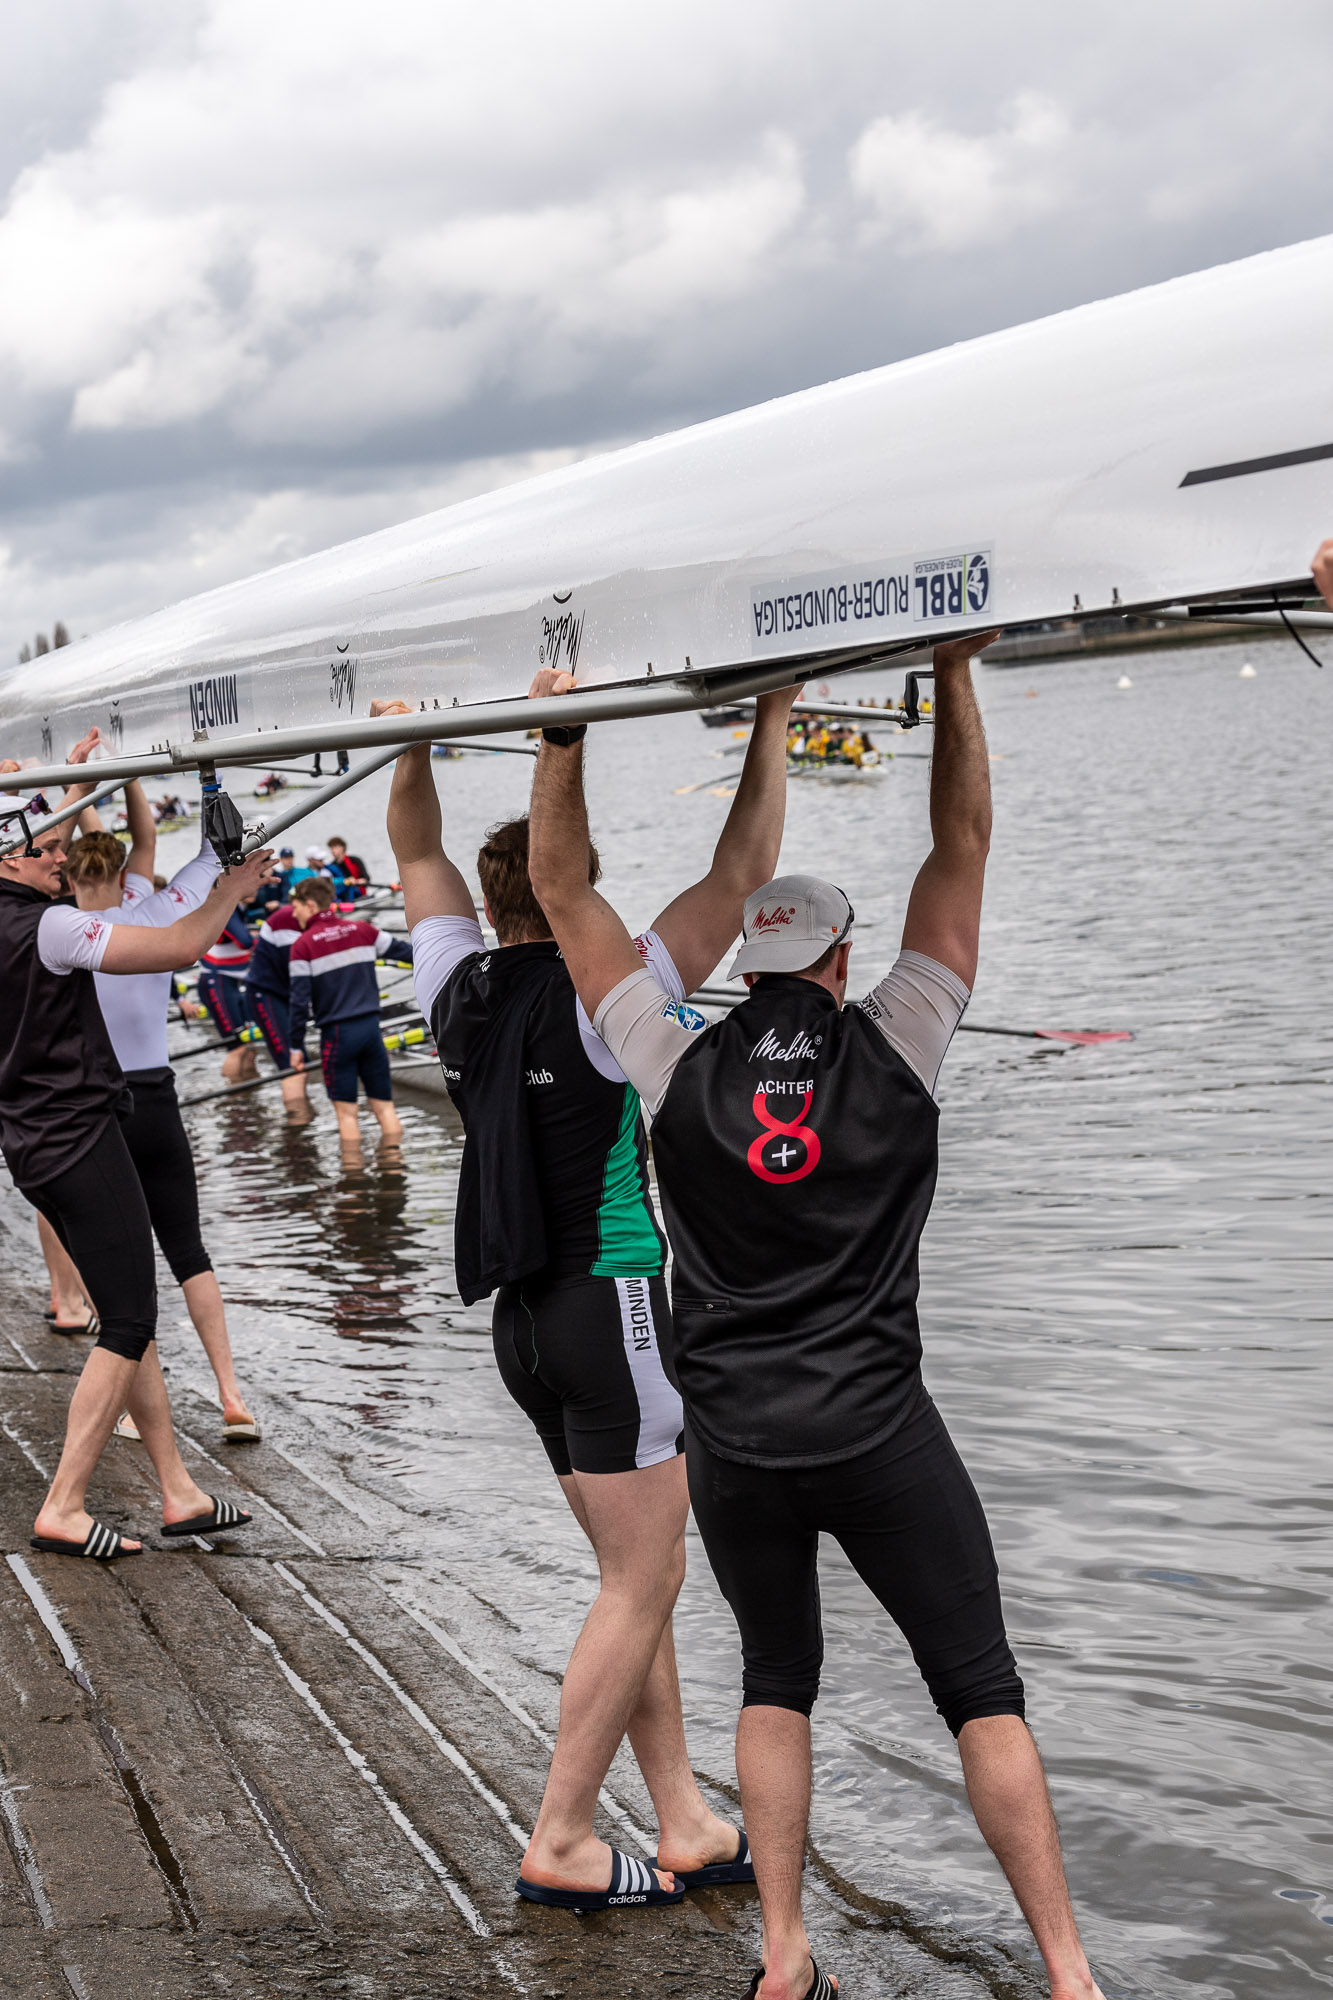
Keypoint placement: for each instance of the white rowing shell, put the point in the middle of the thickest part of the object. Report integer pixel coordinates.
(1168, 444)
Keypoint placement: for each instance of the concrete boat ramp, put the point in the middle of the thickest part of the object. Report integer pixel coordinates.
(303, 1761)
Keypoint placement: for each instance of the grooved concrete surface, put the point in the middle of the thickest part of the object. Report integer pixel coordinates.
(302, 1761)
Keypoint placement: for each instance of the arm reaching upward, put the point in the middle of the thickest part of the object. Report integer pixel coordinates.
(142, 831)
(432, 885)
(89, 821)
(944, 911)
(595, 944)
(702, 921)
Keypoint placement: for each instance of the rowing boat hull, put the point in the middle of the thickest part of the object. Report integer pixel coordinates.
(1027, 475)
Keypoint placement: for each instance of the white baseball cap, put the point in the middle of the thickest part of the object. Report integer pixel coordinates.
(789, 923)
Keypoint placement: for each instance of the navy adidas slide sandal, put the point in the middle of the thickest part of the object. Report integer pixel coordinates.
(719, 1873)
(634, 1886)
(820, 1988)
(223, 1519)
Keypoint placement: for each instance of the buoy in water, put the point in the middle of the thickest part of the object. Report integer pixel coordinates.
(1248, 673)
(1124, 681)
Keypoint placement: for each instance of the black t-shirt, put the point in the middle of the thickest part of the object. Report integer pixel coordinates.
(796, 1156)
(60, 1082)
(545, 1129)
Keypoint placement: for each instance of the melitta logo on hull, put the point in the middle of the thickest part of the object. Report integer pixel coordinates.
(561, 639)
(342, 683)
(786, 1150)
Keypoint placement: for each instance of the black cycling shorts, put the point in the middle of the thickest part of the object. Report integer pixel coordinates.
(351, 1049)
(155, 1135)
(274, 1019)
(909, 1520)
(590, 1360)
(98, 1211)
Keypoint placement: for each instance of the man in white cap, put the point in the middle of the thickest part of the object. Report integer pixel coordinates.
(796, 1152)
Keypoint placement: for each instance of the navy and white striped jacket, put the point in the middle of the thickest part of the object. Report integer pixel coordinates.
(269, 962)
(333, 970)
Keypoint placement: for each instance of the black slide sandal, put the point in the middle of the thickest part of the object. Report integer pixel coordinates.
(224, 1519)
(821, 1987)
(718, 1874)
(102, 1545)
(634, 1886)
(91, 1325)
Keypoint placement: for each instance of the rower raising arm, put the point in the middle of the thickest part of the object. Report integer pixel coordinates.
(700, 923)
(944, 910)
(142, 829)
(432, 885)
(140, 824)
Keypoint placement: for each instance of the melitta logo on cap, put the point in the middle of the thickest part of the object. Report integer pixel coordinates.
(771, 920)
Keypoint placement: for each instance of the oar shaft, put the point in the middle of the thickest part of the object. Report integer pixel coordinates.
(727, 996)
(976, 1028)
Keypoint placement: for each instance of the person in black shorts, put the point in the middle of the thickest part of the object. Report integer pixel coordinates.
(554, 1216)
(268, 985)
(796, 1152)
(62, 1094)
(102, 878)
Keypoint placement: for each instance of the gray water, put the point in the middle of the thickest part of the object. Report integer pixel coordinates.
(1125, 1303)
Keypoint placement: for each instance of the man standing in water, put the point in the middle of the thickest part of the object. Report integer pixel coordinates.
(554, 1210)
(796, 1152)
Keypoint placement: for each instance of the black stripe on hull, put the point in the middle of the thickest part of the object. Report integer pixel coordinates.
(1244, 466)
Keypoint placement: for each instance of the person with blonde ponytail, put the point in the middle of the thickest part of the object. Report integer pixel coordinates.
(120, 888)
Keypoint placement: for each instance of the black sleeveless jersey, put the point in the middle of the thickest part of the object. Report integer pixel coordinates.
(796, 1155)
(555, 1167)
(60, 1082)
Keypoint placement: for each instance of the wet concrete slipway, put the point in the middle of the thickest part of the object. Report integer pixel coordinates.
(303, 1761)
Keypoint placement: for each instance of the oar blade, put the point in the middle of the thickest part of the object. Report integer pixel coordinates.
(1083, 1036)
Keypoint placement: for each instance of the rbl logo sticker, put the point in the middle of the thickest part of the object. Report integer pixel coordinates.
(944, 586)
(784, 1151)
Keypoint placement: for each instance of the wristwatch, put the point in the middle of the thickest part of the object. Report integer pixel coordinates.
(575, 733)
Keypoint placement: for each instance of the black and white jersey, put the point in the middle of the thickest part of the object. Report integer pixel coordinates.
(796, 1154)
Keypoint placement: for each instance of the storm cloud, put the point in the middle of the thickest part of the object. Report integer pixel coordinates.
(270, 277)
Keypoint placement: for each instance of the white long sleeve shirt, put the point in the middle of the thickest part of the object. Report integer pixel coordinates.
(134, 1004)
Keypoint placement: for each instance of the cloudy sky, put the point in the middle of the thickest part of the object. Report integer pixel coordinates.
(271, 276)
